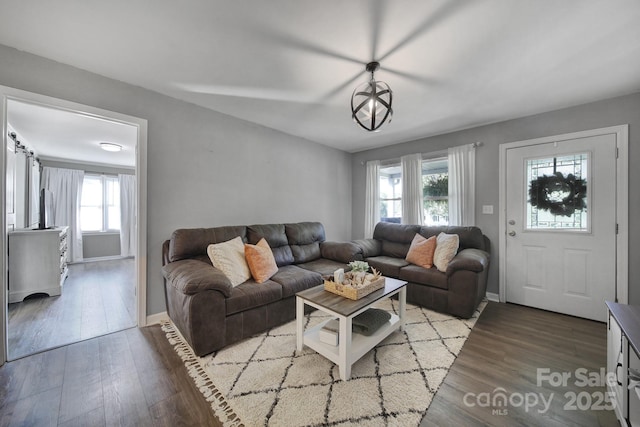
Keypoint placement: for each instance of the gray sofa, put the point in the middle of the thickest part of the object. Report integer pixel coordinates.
(457, 291)
(211, 314)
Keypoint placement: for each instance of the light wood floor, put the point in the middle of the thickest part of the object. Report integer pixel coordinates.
(97, 298)
(134, 377)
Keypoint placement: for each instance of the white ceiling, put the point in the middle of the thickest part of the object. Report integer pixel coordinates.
(63, 135)
(293, 65)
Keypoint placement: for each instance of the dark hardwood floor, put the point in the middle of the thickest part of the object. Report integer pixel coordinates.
(134, 377)
(97, 298)
(507, 346)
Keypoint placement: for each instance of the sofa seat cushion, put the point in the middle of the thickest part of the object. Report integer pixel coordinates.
(250, 295)
(388, 266)
(295, 279)
(323, 266)
(424, 276)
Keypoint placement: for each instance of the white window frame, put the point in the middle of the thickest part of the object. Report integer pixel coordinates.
(394, 199)
(437, 158)
(104, 206)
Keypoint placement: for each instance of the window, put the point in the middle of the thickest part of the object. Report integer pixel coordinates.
(435, 191)
(391, 193)
(100, 204)
(557, 193)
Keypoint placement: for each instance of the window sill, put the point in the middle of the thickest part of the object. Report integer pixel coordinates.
(99, 233)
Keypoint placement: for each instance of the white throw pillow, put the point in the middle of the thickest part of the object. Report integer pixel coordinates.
(228, 257)
(446, 249)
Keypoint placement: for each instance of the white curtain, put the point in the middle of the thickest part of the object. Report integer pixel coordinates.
(412, 198)
(462, 185)
(372, 198)
(127, 214)
(66, 186)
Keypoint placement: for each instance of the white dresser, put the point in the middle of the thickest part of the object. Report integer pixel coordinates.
(623, 361)
(37, 262)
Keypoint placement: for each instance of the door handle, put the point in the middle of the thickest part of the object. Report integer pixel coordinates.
(512, 233)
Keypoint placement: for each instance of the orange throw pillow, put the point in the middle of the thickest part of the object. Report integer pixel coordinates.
(421, 251)
(261, 262)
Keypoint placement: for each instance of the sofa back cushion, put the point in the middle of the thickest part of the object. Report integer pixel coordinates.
(193, 242)
(304, 239)
(276, 237)
(470, 237)
(396, 238)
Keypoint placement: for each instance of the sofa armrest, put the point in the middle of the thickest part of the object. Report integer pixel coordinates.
(341, 251)
(370, 247)
(474, 260)
(165, 252)
(191, 276)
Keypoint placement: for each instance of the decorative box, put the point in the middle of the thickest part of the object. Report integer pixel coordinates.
(351, 292)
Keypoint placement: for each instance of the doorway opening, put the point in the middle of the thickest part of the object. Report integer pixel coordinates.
(99, 232)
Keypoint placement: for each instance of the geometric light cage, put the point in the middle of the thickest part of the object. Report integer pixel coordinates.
(371, 102)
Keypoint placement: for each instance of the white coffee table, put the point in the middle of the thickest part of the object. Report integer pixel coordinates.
(351, 347)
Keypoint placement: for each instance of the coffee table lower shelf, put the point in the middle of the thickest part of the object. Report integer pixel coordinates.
(360, 344)
(351, 346)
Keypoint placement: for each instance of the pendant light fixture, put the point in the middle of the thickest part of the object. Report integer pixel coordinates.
(371, 102)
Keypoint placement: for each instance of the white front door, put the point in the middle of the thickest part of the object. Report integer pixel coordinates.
(561, 225)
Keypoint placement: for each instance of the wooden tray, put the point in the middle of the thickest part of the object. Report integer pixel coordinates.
(350, 292)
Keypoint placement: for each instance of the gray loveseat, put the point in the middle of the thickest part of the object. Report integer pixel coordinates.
(211, 314)
(457, 291)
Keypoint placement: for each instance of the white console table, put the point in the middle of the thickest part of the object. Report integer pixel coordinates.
(37, 262)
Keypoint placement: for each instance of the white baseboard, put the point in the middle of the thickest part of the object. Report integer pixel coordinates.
(157, 318)
(493, 297)
(102, 258)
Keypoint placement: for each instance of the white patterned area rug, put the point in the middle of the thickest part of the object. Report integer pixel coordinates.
(263, 380)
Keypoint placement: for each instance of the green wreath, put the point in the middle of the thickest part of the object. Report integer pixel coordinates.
(558, 194)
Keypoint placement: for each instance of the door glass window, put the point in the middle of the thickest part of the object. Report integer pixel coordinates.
(557, 193)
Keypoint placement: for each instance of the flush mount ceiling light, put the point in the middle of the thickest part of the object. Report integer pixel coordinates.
(110, 146)
(371, 102)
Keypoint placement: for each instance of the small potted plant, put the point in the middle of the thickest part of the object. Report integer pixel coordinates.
(359, 271)
(358, 266)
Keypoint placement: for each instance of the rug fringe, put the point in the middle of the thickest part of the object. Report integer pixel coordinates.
(219, 404)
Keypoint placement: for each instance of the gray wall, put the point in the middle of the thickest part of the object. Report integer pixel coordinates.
(204, 168)
(100, 245)
(611, 112)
